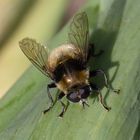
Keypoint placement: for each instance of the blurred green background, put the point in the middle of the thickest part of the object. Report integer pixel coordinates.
(39, 19)
(115, 28)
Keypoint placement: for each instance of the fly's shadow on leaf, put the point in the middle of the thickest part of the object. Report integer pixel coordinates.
(104, 38)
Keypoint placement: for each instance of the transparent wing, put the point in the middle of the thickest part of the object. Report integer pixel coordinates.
(36, 53)
(79, 33)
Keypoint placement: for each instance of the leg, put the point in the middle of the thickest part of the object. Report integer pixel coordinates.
(84, 103)
(64, 107)
(102, 102)
(92, 52)
(99, 71)
(94, 87)
(51, 85)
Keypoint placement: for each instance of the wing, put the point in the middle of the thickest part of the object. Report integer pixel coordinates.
(79, 33)
(37, 54)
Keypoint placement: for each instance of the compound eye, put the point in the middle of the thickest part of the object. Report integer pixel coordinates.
(73, 97)
(84, 92)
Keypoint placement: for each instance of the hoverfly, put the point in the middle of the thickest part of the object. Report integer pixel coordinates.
(67, 65)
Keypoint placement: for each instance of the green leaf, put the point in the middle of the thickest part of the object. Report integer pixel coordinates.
(114, 27)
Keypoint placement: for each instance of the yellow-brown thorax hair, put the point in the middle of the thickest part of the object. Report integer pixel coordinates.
(74, 78)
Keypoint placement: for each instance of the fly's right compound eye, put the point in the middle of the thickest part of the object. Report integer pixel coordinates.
(85, 92)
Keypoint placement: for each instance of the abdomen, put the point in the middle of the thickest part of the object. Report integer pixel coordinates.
(61, 54)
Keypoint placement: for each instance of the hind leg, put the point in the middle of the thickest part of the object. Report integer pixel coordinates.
(96, 89)
(91, 52)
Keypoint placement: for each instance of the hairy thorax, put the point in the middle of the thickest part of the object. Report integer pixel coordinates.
(69, 80)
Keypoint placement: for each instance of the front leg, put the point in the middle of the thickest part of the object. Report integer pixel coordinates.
(51, 85)
(64, 107)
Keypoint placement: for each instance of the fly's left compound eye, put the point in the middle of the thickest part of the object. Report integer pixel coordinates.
(81, 93)
(73, 97)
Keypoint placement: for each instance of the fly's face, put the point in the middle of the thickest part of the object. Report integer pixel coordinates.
(79, 94)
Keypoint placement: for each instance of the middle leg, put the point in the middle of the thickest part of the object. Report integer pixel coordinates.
(101, 72)
(51, 85)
